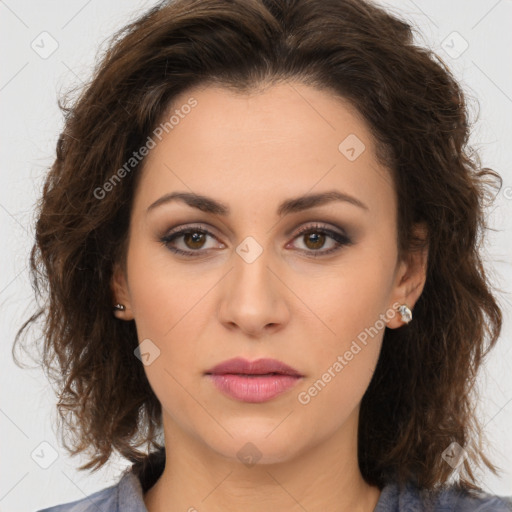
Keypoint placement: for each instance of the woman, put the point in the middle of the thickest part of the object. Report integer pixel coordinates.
(260, 237)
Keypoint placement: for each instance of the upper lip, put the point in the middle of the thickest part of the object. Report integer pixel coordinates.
(258, 367)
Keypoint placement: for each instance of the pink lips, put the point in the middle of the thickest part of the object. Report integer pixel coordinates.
(256, 381)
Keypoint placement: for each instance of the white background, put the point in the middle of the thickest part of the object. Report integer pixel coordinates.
(31, 122)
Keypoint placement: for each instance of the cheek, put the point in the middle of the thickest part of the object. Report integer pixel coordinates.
(169, 305)
(349, 306)
(348, 300)
(167, 309)
(337, 392)
(347, 352)
(162, 295)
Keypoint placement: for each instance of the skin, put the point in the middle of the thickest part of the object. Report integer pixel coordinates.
(251, 152)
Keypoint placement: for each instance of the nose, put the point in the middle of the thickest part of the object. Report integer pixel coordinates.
(254, 298)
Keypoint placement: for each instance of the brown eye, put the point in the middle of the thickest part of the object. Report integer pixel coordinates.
(315, 237)
(314, 240)
(194, 239)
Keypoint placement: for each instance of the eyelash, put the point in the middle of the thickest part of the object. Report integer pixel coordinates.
(340, 239)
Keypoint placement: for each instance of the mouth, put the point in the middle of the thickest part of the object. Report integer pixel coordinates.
(260, 367)
(254, 382)
(248, 374)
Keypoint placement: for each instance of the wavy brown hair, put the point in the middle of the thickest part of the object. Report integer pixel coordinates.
(421, 397)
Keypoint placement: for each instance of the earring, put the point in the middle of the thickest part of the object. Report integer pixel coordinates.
(120, 307)
(405, 313)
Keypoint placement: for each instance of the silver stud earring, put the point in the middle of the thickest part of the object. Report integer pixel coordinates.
(119, 307)
(405, 313)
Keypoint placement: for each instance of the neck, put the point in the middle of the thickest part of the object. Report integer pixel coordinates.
(323, 478)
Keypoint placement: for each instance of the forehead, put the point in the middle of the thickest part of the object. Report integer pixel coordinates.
(287, 140)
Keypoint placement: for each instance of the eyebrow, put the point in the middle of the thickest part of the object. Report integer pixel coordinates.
(293, 205)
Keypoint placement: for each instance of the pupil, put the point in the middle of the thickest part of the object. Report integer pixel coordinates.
(196, 238)
(316, 240)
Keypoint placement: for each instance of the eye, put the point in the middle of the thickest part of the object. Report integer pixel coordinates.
(314, 237)
(194, 239)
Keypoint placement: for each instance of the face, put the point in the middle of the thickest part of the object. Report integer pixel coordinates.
(311, 284)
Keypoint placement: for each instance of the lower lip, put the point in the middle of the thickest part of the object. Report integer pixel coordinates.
(253, 389)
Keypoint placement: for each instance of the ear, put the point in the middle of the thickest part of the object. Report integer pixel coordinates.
(120, 293)
(410, 278)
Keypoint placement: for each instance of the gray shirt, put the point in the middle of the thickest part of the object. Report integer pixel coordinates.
(127, 496)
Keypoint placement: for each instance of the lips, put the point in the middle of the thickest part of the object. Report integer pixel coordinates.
(240, 366)
(257, 381)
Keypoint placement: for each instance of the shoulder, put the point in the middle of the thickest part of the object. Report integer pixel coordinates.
(462, 501)
(408, 497)
(100, 500)
(125, 496)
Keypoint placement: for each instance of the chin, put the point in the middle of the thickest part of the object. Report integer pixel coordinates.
(256, 446)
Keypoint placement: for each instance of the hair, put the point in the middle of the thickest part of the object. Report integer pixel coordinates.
(422, 395)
